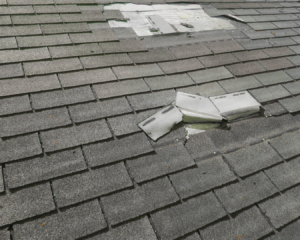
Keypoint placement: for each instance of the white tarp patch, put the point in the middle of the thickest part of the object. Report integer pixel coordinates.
(173, 14)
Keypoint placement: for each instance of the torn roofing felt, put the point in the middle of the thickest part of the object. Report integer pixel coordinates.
(201, 113)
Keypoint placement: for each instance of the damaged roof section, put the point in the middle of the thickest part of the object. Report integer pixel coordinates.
(201, 113)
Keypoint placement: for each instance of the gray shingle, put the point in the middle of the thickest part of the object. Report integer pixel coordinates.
(138, 71)
(40, 169)
(224, 46)
(189, 216)
(295, 60)
(285, 24)
(291, 104)
(166, 160)
(293, 87)
(8, 43)
(28, 85)
(243, 194)
(16, 10)
(5, 20)
(254, 44)
(102, 35)
(140, 229)
(1, 184)
(11, 56)
(259, 34)
(294, 73)
(41, 41)
(270, 93)
(11, 70)
(62, 97)
(122, 88)
(274, 109)
(278, 52)
(20, 30)
(273, 77)
(288, 232)
(5, 234)
(57, 9)
(87, 77)
(210, 173)
(74, 51)
(30, 2)
(251, 55)
(46, 67)
(239, 12)
(124, 124)
(36, 19)
(205, 90)
(282, 209)
(14, 105)
(249, 224)
(96, 110)
(26, 203)
(209, 75)
(239, 84)
(116, 150)
(201, 146)
(113, 14)
(187, 51)
(252, 159)
(284, 33)
(181, 66)
(151, 100)
(32, 122)
(133, 203)
(218, 60)
(241, 69)
(124, 46)
(278, 63)
(20, 147)
(83, 17)
(285, 175)
(281, 42)
(91, 184)
(106, 60)
(265, 18)
(263, 26)
(171, 81)
(73, 223)
(65, 28)
(153, 55)
(74, 136)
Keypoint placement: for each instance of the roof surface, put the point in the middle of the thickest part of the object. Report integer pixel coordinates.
(74, 164)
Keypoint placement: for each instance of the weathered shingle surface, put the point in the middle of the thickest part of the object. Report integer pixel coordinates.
(75, 165)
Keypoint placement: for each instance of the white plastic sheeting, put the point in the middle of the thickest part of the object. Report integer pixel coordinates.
(173, 14)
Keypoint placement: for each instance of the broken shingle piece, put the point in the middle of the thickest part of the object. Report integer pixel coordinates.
(236, 105)
(197, 108)
(161, 122)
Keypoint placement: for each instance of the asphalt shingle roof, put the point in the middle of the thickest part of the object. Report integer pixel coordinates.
(74, 164)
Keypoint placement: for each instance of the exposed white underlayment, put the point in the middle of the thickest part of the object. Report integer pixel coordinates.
(180, 17)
